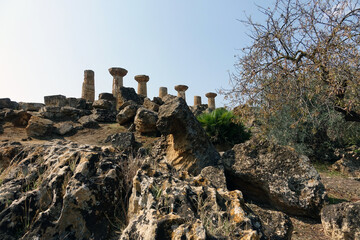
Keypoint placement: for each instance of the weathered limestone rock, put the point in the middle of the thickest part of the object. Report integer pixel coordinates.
(88, 122)
(123, 141)
(118, 75)
(163, 92)
(39, 127)
(199, 109)
(103, 115)
(145, 121)
(142, 80)
(7, 103)
(127, 94)
(32, 107)
(158, 101)
(19, 118)
(275, 175)
(211, 100)
(60, 190)
(197, 101)
(166, 206)
(60, 113)
(181, 91)
(188, 146)
(349, 164)
(78, 103)
(88, 87)
(103, 104)
(107, 96)
(148, 104)
(55, 100)
(275, 225)
(127, 114)
(342, 221)
(1, 129)
(64, 128)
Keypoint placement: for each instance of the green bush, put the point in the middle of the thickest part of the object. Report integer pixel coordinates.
(223, 127)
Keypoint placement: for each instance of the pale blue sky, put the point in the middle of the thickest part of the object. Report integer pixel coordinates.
(45, 45)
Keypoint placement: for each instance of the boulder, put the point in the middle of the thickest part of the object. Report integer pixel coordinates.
(188, 146)
(103, 104)
(158, 101)
(70, 113)
(271, 174)
(60, 190)
(145, 121)
(39, 127)
(7, 103)
(148, 104)
(127, 114)
(55, 100)
(32, 107)
(126, 94)
(349, 164)
(107, 96)
(64, 128)
(19, 118)
(342, 221)
(103, 115)
(88, 122)
(164, 205)
(123, 141)
(78, 103)
(275, 225)
(60, 113)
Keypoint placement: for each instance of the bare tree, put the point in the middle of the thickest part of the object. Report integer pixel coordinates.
(305, 54)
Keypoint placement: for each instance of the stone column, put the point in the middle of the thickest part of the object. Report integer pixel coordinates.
(118, 74)
(142, 80)
(197, 100)
(211, 100)
(88, 87)
(162, 92)
(181, 90)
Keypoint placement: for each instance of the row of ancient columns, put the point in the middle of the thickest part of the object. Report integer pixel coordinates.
(88, 87)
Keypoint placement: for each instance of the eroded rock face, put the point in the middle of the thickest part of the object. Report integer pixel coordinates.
(61, 190)
(19, 118)
(127, 114)
(164, 205)
(7, 103)
(275, 175)
(88, 122)
(145, 121)
(103, 104)
(126, 94)
(39, 127)
(188, 146)
(33, 107)
(275, 225)
(342, 221)
(123, 141)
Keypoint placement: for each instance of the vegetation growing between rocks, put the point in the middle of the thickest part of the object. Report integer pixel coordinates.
(223, 127)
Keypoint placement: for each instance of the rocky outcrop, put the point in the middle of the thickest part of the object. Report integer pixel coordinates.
(60, 190)
(7, 103)
(342, 221)
(148, 104)
(188, 146)
(32, 107)
(39, 127)
(275, 225)
(127, 114)
(275, 175)
(123, 141)
(126, 94)
(145, 121)
(55, 100)
(103, 115)
(88, 122)
(349, 164)
(19, 118)
(164, 205)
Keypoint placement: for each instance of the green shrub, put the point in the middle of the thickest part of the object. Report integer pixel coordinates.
(224, 127)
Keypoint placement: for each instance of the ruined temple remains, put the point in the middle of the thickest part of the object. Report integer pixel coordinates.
(181, 91)
(142, 80)
(88, 87)
(197, 100)
(162, 92)
(211, 100)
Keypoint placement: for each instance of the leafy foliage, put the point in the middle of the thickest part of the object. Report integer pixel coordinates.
(223, 127)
